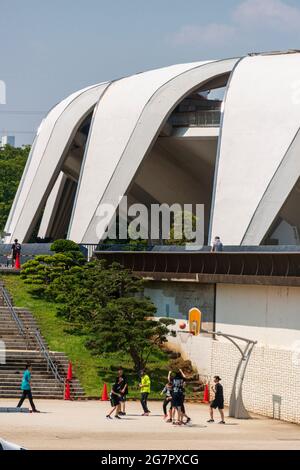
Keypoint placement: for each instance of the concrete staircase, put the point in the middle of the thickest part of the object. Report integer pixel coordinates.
(20, 350)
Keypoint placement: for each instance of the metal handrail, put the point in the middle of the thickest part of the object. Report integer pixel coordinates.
(50, 364)
(13, 313)
(207, 118)
(37, 336)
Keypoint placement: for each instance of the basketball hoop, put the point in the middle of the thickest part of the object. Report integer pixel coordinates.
(184, 336)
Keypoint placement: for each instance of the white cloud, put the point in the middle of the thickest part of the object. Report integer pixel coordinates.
(248, 16)
(212, 34)
(274, 14)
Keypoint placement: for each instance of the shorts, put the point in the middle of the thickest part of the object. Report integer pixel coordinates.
(177, 400)
(217, 404)
(123, 398)
(114, 400)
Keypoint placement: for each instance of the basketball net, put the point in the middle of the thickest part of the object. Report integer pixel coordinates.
(184, 336)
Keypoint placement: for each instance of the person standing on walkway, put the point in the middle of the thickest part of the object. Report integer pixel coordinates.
(124, 391)
(218, 401)
(15, 252)
(217, 245)
(167, 391)
(145, 387)
(26, 389)
(178, 382)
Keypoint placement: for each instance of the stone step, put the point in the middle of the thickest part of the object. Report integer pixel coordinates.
(20, 350)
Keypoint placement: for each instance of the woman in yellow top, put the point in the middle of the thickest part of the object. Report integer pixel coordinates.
(145, 387)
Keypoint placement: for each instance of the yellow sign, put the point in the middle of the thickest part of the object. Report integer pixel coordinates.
(195, 321)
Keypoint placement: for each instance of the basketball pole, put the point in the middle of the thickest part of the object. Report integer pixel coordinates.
(236, 405)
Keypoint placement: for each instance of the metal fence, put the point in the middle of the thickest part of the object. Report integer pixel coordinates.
(210, 118)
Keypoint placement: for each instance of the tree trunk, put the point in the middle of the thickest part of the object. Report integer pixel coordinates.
(139, 363)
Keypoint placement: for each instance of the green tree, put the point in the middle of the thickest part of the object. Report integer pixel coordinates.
(43, 270)
(103, 302)
(12, 163)
(81, 292)
(127, 324)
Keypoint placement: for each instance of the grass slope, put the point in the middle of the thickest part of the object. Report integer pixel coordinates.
(91, 370)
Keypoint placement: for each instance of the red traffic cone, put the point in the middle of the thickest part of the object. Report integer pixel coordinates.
(104, 396)
(17, 262)
(206, 394)
(67, 391)
(70, 372)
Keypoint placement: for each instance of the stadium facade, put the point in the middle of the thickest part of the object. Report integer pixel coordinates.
(222, 133)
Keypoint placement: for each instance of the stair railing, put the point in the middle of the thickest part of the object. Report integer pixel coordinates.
(12, 311)
(51, 366)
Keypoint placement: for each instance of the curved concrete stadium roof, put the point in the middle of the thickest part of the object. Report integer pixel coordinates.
(257, 146)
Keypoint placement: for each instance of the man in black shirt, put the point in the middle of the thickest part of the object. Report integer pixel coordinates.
(115, 399)
(15, 251)
(218, 401)
(124, 391)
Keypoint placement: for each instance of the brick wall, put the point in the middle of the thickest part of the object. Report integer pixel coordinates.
(271, 375)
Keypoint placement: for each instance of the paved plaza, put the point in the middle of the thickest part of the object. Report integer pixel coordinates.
(82, 425)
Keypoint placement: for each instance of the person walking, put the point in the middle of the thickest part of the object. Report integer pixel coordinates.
(217, 245)
(145, 387)
(123, 390)
(167, 391)
(15, 252)
(218, 401)
(26, 389)
(115, 399)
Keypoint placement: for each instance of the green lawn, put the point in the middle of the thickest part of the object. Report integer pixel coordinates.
(92, 371)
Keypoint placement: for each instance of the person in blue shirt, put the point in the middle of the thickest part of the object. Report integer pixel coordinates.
(26, 389)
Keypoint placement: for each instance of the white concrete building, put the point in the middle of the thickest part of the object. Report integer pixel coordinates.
(161, 136)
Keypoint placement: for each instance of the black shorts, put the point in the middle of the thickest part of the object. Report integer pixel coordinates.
(123, 398)
(217, 404)
(177, 400)
(114, 400)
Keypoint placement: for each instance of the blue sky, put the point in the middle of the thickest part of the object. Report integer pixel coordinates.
(51, 48)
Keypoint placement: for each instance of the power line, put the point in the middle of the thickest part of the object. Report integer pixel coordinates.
(16, 132)
(23, 113)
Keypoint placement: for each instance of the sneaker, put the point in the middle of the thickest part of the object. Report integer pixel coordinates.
(187, 421)
(122, 413)
(169, 421)
(117, 417)
(211, 421)
(108, 417)
(222, 422)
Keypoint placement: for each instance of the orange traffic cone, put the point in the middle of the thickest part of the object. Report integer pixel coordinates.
(104, 396)
(17, 262)
(70, 372)
(67, 391)
(206, 394)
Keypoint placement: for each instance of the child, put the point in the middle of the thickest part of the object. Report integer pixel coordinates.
(115, 399)
(167, 391)
(218, 401)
